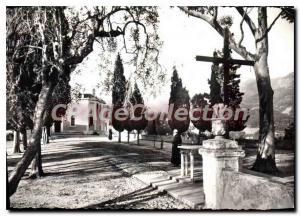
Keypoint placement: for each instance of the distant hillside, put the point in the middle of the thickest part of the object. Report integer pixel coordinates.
(283, 101)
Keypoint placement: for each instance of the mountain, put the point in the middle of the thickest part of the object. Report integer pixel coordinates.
(283, 101)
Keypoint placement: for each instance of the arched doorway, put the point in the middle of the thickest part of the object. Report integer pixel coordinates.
(57, 126)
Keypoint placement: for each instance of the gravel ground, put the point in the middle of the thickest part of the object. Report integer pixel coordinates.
(94, 175)
(90, 172)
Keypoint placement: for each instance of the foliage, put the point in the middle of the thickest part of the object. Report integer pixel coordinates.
(226, 21)
(259, 29)
(139, 112)
(199, 101)
(54, 40)
(288, 13)
(119, 83)
(176, 85)
(136, 97)
(180, 98)
(118, 93)
(22, 76)
(76, 92)
(151, 128)
(61, 95)
(161, 124)
(233, 93)
(290, 132)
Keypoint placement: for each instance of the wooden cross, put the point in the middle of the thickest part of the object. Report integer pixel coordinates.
(226, 61)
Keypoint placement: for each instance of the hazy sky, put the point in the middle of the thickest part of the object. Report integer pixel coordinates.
(185, 37)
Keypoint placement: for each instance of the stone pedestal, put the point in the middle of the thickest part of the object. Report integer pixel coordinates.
(218, 154)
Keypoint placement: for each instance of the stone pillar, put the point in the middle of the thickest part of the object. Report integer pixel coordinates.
(218, 154)
(62, 124)
(182, 163)
(186, 163)
(192, 165)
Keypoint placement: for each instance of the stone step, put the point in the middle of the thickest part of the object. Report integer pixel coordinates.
(166, 187)
(176, 174)
(191, 194)
(177, 171)
(159, 179)
(181, 188)
(163, 182)
(195, 200)
(187, 179)
(150, 178)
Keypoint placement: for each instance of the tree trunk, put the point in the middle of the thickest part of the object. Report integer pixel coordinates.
(7, 194)
(44, 135)
(199, 134)
(128, 137)
(138, 137)
(48, 134)
(265, 161)
(36, 165)
(16, 146)
(24, 139)
(161, 142)
(35, 139)
(119, 137)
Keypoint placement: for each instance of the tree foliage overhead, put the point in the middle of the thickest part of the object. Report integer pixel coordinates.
(54, 40)
(141, 60)
(288, 13)
(22, 77)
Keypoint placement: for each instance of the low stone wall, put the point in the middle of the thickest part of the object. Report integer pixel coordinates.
(247, 191)
(166, 138)
(77, 128)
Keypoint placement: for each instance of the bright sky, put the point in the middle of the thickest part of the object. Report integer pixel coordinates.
(185, 37)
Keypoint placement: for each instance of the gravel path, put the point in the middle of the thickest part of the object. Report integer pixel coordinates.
(94, 175)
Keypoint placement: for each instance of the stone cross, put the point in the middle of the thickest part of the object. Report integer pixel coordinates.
(226, 61)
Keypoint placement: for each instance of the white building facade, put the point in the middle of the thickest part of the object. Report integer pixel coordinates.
(88, 115)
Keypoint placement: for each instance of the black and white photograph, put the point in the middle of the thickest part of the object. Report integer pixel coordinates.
(150, 108)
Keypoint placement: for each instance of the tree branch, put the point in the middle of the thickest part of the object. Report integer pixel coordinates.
(247, 19)
(270, 27)
(195, 14)
(242, 31)
(215, 14)
(241, 50)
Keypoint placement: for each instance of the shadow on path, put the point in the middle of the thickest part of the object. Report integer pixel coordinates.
(126, 200)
